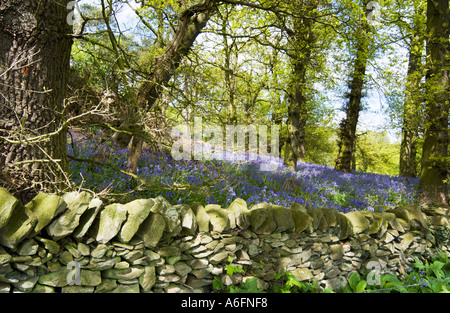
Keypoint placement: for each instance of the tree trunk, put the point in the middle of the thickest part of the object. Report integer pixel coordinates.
(190, 24)
(134, 154)
(347, 131)
(413, 99)
(303, 44)
(35, 46)
(434, 175)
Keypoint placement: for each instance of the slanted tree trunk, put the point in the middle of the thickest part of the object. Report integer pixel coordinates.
(347, 131)
(190, 25)
(413, 99)
(434, 175)
(35, 46)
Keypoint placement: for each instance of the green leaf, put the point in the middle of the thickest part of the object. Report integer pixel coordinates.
(353, 280)
(250, 286)
(233, 269)
(361, 286)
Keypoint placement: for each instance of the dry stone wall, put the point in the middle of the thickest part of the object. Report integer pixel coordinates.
(73, 243)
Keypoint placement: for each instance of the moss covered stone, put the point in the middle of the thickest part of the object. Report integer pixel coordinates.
(7, 205)
(138, 211)
(111, 219)
(65, 224)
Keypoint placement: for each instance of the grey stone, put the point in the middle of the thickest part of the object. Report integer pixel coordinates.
(152, 229)
(111, 219)
(169, 278)
(261, 219)
(28, 247)
(203, 219)
(302, 274)
(344, 228)
(138, 211)
(38, 288)
(64, 275)
(106, 286)
(77, 289)
(5, 288)
(187, 217)
(337, 252)
(175, 288)
(134, 288)
(87, 218)
(218, 217)
(4, 256)
(195, 282)
(126, 273)
(301, 220)
(241, 213)
(165, 269)
(219, 257)
(283, 218)
(65, 224)
(358, 220)
(133, 255)
(99, 251)
(103, 265)
(170, 214)
(169, 251)
(7, 205)
(182, 269)
(407, 239)
(198, 263)
(20, 224)
(148, 278)
(26, 284)
(45, 207)
(83, 249)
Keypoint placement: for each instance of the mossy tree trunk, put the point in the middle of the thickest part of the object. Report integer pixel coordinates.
(434, 174)
(413, 97)
(347, 130)
(302, 39)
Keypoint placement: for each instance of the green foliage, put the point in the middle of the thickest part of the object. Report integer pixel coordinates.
(289, 284)
(249, 286)
(360, 284)
(431, 277)
(376, 154)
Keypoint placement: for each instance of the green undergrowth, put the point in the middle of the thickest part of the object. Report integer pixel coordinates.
(433, 276)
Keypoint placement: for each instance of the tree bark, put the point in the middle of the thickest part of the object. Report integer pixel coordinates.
(303, 43)
(35, 46)
(190, 25)
(413, 99)
(347, 131)
(434, 174)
